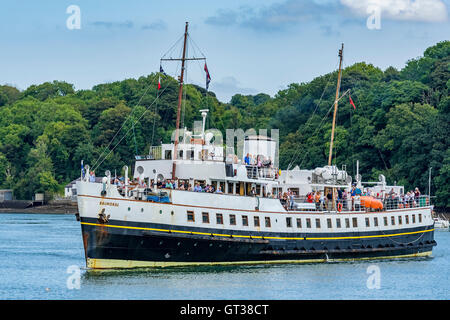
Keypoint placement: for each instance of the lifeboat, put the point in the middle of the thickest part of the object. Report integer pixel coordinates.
(371, 202)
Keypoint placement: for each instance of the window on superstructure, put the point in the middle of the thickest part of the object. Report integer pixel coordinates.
(318, 223)
(375, 221)
(385, 221)
(230, 187)
(367, 222)
(407, 219)
(338, 223)
(329, 223)
(420, 217)
(299, 222)
(413, 218)
(355, 222)
(205, 217)
(232, 219)
(308, 222)
(267, 222)
(245, 221)
(288, 222)
(393, 220)
(219, 218)
(347, 222)
(256, 221)
(399, 219)
(190, 216)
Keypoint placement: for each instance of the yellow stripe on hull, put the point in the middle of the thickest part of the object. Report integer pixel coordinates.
(129, 264)
(257, 237)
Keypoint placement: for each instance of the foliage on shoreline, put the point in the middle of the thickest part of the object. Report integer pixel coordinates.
(400, 126)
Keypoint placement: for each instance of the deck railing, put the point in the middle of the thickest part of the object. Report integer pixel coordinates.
(154, 154)
(255, 172)
(356, 203)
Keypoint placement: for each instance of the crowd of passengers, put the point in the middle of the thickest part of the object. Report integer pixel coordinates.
(349, 200)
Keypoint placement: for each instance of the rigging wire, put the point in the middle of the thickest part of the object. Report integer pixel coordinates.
(123, 124)
(294, 157)
(126, 133)
(316, 131)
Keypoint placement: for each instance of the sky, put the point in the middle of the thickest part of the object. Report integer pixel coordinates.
(251, 46)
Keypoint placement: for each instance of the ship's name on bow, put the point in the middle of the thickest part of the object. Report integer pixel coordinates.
(105, 203)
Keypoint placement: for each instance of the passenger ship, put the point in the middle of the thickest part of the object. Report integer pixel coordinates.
(137, 226)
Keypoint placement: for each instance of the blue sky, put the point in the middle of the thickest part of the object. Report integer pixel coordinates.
(251, 46)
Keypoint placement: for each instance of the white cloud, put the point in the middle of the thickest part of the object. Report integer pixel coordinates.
(412, 10)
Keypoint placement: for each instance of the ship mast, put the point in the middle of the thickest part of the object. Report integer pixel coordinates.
(330, 156)
(180, 96)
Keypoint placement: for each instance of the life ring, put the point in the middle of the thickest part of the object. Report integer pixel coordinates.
(339, 207)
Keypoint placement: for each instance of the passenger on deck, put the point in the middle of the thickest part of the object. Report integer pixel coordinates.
(197, 188)
(92, 176)
(247, 159)
(329, 201)
(317, 200)
(417, 195)
(291, 200)
(219, 190)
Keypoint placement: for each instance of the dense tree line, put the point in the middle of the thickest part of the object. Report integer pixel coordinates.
(399, 128)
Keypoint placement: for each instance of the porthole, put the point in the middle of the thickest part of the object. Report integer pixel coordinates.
(142, 209)
(129, 209)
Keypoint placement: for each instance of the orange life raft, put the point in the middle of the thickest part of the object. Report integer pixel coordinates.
(371, 202)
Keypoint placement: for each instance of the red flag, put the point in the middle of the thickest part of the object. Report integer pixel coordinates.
(159, 82)
(351, 102)
(208, 77)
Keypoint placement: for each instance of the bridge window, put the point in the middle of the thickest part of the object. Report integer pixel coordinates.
(299, 222)
(367, 222)
(355, 222)
(338, 223)
(399, 219)
(267, 222)
(205, 217)
(393, 220)
(407, 219)
(413, 218)
(375, 221)
(318, 223)
(347, 222)
(308, 222)
(385, 221)
(329, 223)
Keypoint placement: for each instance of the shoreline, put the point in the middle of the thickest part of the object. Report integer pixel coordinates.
(50, 208)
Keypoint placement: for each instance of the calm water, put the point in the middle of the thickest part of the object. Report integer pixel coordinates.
(36, 251)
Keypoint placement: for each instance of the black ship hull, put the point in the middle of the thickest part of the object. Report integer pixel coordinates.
(119, 244)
